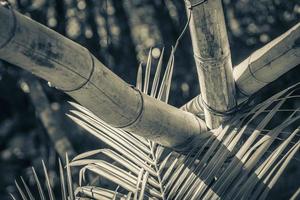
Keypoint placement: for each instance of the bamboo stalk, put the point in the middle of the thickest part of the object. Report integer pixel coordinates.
(269, 62)
(262, 67)
(213, 61)
(71, 68)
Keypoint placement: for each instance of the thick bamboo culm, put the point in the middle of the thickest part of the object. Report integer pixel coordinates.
(213, 59)
(262, 67)
(71, 68)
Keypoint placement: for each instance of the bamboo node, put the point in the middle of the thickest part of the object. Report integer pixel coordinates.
(6, 4)
(216, 112)
(141, 110)
(211, 63)
(87, 80)
(253, 74)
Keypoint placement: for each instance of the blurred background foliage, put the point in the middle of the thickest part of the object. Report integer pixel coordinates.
(120, 33)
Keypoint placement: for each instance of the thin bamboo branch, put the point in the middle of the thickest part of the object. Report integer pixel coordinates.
(71, 68)
(213, 61)
(262, 67)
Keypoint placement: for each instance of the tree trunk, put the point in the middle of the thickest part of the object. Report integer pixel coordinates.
(71, 68)
(262, 67)
(213, 61)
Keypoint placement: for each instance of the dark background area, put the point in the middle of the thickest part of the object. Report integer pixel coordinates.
(120, 33)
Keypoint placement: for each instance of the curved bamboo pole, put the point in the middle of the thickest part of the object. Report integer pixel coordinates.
(71, 68)
(262, 67)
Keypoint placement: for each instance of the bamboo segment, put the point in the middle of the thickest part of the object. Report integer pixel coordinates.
(262, 67)
(213, 61)
(71, 68)
(269, 63)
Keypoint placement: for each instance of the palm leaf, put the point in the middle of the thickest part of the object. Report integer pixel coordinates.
(62, 181)
(39, 185)
(234, 163)
(49, 188)
(28, 192)
(241, 160)
(27, 189)
(20, 191)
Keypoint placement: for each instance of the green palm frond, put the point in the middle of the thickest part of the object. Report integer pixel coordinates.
(241, 160)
